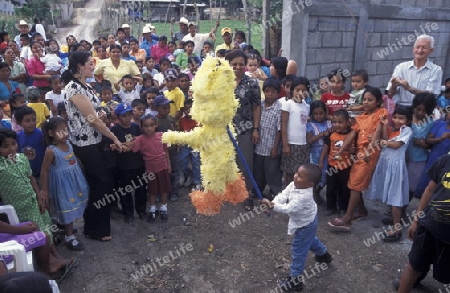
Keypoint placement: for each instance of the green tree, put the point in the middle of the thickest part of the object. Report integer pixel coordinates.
(36, 8)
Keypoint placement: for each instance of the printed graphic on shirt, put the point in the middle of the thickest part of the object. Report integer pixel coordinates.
(129, 137)
(71, 159)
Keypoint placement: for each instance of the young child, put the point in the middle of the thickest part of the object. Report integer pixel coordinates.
(3, 122)
(167, 123)
(41, 110)
(164, 64)
(130, 89)
(266, 159)
(126, 53)
(366, 130)
(25, 49)
(207, 50)
(390, 179)
(139, 65)
(297, 201)
(324, 87)
(62, 179)
(417, 153)
(150, 67)
(157, 165)
(130, 165)
(138, 107)
(337, 98)
(443, 101)
(221, 53)
(186, 154)
(318, 127)
(19, 188)
(17, 101)
(173, 93)
(150, 95)
(62, 112)
(338, 166)
(30, 140)
(439, 140)
(184, 84)
(294, 116)
(56, 95)
(253, 68)
(53, 64)
(360, 79)
(239, 40)
(429, 231)
(286, 83)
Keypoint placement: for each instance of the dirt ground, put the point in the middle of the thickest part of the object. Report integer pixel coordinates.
(195, 253)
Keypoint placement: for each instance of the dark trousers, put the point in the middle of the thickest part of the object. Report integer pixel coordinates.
(266, 170)
(96, 215)
(337, 190)
(131, 178)
(175, 176)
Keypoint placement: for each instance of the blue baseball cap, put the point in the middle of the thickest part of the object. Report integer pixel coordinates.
(122, 109)
(161, 100)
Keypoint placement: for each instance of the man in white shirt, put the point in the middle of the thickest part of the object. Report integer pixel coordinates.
(199, 39)
(24, 28)
(416, 76)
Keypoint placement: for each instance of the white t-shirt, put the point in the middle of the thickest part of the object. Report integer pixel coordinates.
(298, 117)
(128, 97)
(198, 40)
(159, 77)
(56, 98)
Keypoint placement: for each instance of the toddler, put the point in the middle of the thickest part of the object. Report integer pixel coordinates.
(360, 79)
(337, 98)
(150, 95)
(297, 202)
(130, 89)
(56, 95)
(324, 87)
(41, 110)
(15, 102)
(53, 64)
(138, 107)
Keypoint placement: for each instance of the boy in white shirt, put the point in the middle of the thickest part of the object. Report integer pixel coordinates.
(297, 201)
(130, 89)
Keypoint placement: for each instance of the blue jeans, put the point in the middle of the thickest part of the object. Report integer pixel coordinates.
(184, 154)
(305, 240)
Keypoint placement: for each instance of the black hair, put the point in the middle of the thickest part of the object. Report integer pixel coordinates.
(135, 41)
(362, 73)
(3, 34)
(120, 30)
(447, 80)
(189, 42)
(208, 43)
(280, 65)
(172, 43)
(33, 36)
(137, 102)
(96, 42)
(21, 112)
(115, 46)
(181, 75)
(25, 36)
(51, 125)
(76, 58)
(70, 36)
(53, 78)
(194, 60)
(337, 72)
(148, 58)
(188, 102)
(427, 99)
(153, 90)
(163, 38)
(236, 53)
(313, 173)
(163, 60)
(61, 107)
(272, 83)
(6, 133)
(102, 38)
(447, 91)
(376, 93)
(221, 52)
(139, 61)
(4, 65)
(106, 88)
(106, 83)
(402, 110)
(299, 80)
(342, 113)
(287, 78)
(145, 117)
(248, 48)
(241, 34)
(13, 99)
(317, 104)
(127, 76)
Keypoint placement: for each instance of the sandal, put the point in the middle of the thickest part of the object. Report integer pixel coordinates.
(338, 225)
(357, 216)
(392, 237)
(101, 239)
(248, 204)
(75, 245)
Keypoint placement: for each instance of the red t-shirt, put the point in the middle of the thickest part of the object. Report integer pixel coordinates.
(333, 102)
(187, 124)
(153, 150)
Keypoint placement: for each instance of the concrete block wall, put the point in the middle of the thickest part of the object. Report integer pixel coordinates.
(375, 35)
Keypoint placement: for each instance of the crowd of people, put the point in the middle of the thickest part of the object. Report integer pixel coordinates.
(84, 120)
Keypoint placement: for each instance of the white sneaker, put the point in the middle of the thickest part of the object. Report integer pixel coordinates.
(188, 181)
(197, 187)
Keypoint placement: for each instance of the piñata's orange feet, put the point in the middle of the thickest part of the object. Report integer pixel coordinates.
(206, 202)
(236, 192)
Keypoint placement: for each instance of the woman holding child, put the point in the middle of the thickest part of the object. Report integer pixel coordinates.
(86, 130)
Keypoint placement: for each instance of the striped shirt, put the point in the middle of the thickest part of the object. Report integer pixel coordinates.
(426, 78)
(269, 126)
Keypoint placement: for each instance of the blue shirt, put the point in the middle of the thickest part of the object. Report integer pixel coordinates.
(5, 94)
(33, 146)
(443, 102)
(419, 131)
(146, 44)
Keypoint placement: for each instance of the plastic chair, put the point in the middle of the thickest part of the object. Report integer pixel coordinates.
(23, 261)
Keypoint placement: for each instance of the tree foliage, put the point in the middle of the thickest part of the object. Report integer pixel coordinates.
(36, 8)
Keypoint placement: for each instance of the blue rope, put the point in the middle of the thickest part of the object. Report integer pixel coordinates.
(244, 163)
